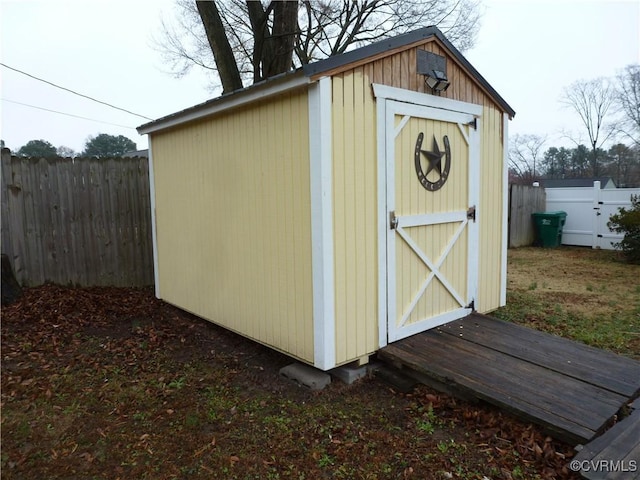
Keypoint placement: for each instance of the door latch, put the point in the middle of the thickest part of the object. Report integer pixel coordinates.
(393, 220)
(471, 213)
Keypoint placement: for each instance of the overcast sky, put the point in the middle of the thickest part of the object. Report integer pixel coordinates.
(527, 49)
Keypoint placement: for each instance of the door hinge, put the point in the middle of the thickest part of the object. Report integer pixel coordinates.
(471, 213)
(473, 123)
(472, 305)
(393, 220)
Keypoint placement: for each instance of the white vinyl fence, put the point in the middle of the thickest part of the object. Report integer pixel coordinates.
(588, 211)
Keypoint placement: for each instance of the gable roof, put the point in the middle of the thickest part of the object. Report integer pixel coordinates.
(404, 40)
(308, 73)
(575, 182)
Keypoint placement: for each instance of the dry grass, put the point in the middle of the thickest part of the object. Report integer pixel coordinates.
(588, 295)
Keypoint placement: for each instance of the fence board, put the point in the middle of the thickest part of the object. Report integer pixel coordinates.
(523, 201)
(77, 221)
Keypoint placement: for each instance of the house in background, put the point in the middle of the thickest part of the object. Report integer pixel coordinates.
(137, 153)
(332, 210)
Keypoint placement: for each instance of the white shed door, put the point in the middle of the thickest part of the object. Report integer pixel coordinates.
(432, 194)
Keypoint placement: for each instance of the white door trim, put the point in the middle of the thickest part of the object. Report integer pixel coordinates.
(383, 220)
(392, 101)
(473, 230)
(424, 99)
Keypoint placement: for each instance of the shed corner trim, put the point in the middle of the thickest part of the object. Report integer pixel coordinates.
(154, 232)
(505, 209)
(320, 169)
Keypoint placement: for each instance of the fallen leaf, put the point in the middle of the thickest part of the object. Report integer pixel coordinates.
(87, 456)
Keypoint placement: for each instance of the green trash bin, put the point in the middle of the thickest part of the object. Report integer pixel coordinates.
(549, 228)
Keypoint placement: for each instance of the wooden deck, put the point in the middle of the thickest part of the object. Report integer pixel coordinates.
(616, 453)
(572, 390)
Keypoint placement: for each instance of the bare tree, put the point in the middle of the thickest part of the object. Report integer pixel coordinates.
(627, 102)
(220, 46)
(525, 157)
(269, 37)
(591, 100)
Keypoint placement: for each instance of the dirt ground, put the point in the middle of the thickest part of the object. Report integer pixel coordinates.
(112, 383)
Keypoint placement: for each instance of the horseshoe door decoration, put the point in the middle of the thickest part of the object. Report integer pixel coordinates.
(431, 237)
(434, 160)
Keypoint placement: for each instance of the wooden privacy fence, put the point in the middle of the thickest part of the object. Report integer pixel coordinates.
(81, 221)
(523, 201)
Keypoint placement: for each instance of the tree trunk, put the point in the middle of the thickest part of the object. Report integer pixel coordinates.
(258, 19)
(222, 52)
(282, 40)
(273, 50)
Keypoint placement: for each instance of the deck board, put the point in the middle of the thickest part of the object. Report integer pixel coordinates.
(615, 373)
(621, 443)
(569, 388)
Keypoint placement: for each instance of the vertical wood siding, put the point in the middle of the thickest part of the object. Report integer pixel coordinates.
(490, 210)
(355, 191)
(233, 221)
(355, 216)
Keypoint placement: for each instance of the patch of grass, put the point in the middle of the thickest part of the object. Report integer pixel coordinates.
(178, 383)
(425, 426)
(192, 420)
(605, 317)
(428, 420)
(325, 461)
(139, 416)
(618, 332)
(220, 402)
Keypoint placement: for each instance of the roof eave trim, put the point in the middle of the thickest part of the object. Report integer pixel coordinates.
(226, 102)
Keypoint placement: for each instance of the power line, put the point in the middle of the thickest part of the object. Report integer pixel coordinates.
(67, 114)
(74, 92)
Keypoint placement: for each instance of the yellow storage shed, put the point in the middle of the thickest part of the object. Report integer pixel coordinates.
(332, 210)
